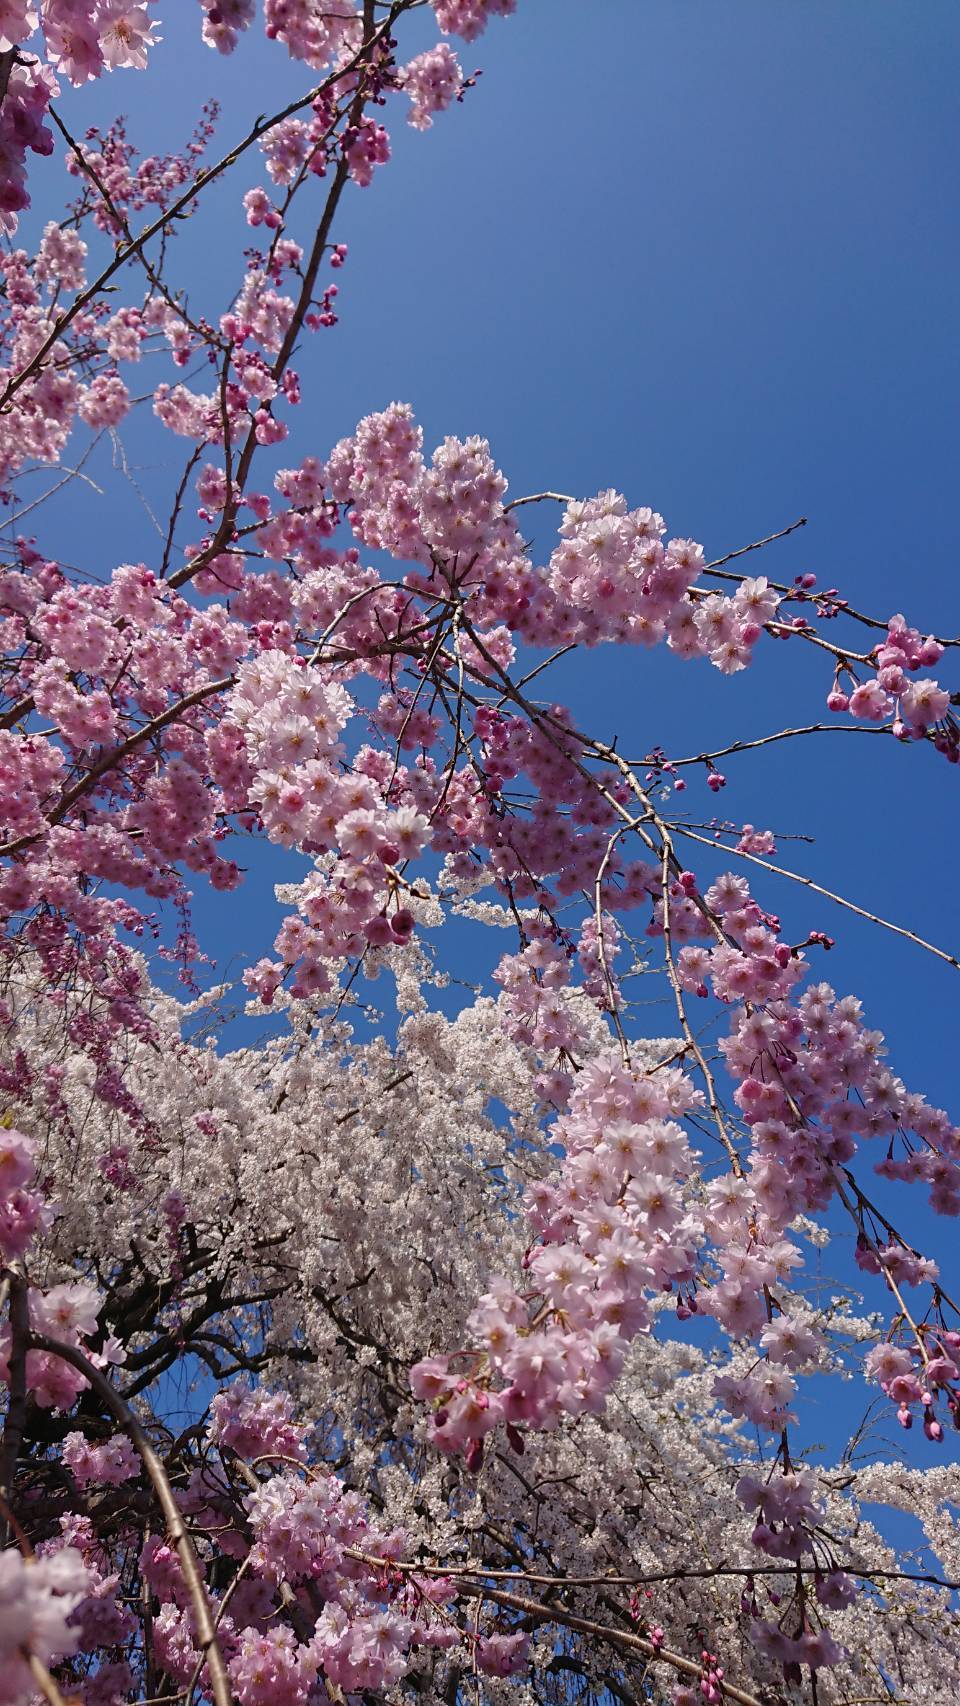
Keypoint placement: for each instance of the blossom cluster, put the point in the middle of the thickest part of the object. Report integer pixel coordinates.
(916, 706)
(106, 1465)
(81, 39)
(365, 1611)
(24, 1212)
(619, 1224)
(67, 1312)
(37, 1599)
(615, 1228)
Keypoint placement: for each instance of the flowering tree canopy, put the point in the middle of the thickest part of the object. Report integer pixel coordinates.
(461, 1356)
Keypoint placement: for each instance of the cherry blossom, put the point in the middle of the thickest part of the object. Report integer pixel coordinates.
(450, 1329)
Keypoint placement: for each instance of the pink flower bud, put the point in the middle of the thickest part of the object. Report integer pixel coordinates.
(473, 1456)
(378, 932)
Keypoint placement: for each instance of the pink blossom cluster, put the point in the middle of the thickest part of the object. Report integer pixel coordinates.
(82, 384)
(448, 516)
(301, 1527)
(618, 1225)
(102, 1621)
(920, 1371)
(469, 18)
(758, 841)
(67, 1313)
(796, 1063)
(503, 1654)
(37, 1599)
(23, 1213)
(66, 642)
(611, 577)
(788, 1508)
(810, 1085)
(916, 706)
(366, 145)
(613, 572)
(814, 1647)
(42, 414)
(536, 1011)
(432, 80)
(309, 1531)
(566, 836)
(132, 183)
(319, 34)
(61, 258)
(82, 37)
(106, 1465)
(269, 1665)
(22, 131)
(58, 1602)
(297, 142)
(255, 1423)
(261, 315)
(377, 472)
(290, 718)
(596, 951)
(710, 1685)
(224, 20)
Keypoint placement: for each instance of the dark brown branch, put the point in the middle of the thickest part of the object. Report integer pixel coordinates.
(17, 1400)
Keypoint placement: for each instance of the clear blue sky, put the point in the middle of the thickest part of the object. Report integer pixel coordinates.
(704, 251)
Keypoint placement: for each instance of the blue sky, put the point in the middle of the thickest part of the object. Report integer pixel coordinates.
(707, 254)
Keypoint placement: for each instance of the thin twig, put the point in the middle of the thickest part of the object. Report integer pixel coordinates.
(652, 1577)
(758, 544)
(538, 497)
(828, 894)
(782, 734)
